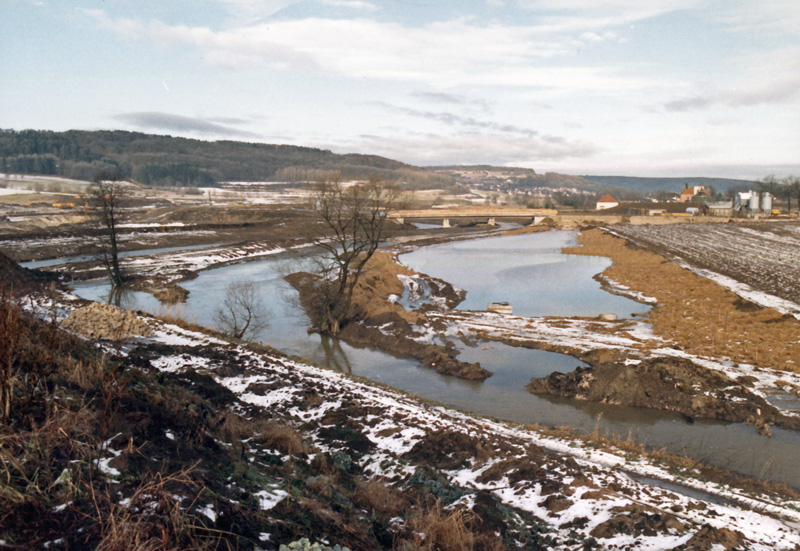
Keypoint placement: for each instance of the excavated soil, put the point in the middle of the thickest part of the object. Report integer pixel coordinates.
(673, 384)
(18, 278)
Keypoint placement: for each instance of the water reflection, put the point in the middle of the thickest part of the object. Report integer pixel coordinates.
(528, 270)
(335, 357)
(121, 296)
(502, 395)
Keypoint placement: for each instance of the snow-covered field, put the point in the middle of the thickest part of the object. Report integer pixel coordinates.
(13, 191)
(760, 261)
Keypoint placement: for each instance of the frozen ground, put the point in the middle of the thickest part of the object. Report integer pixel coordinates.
(596, 490)
(760, 261)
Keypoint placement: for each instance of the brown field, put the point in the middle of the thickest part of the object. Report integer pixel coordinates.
(695, 313)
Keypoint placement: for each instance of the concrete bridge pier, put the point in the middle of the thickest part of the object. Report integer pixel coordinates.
(400, 220)
(491, 222)
(446, 223)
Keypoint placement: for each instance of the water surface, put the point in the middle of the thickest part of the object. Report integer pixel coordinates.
(527, 270)
(503, 395)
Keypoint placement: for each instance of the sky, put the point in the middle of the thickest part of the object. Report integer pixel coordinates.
(614, 87)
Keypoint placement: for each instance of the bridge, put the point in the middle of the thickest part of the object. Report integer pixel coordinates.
(490, 214)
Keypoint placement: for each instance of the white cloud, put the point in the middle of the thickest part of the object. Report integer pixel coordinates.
(595, 37)
(353, 4)
(441, 54)
(123, 27)
(245, 11)
(428, 149)
(765, 16)
(771, 77)
(452, 99)
(601, 14)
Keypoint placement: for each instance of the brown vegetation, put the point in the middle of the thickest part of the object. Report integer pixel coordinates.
(695, 313)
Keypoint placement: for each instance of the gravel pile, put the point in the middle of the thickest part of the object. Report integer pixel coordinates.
(103, 321)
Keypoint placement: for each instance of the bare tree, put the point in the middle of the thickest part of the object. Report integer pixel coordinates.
(353, 223)
(791, 186)
(107, 193)
(242, 313)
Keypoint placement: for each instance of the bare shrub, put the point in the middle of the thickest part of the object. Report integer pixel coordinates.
(435, 529)
(152, 518)
(381, 498)
(242, 313)
(10, 348)
(281, 437)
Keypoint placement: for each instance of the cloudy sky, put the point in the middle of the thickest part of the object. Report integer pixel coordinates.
(647, 87)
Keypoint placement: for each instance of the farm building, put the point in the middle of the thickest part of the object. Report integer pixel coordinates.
(607, 201)
(723, 208)
(688, 193)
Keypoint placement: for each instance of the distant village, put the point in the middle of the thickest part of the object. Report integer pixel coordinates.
(697, 201)
(527, 188)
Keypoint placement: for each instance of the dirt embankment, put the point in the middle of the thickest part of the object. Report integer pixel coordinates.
(378, 322)
(673, 384)
(695, 313)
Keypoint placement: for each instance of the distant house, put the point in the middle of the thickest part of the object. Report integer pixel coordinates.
(689, 192)
(607, 201)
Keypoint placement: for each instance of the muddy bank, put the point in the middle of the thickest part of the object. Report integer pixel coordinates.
(392, 334)
(377, 321)
(668, 383)
(695, 313)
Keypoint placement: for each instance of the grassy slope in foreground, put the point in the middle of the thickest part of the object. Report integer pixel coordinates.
(189, 442)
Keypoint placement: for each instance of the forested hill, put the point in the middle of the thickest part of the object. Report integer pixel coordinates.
(675, 185)
(166, 160)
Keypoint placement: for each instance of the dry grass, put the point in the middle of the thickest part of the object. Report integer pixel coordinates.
(173, 294)
(378, 281)
(281, 437)
(11, 344)
(153, 518)
(697, 314)
(234, 428)
(381, 498)
(434, 528)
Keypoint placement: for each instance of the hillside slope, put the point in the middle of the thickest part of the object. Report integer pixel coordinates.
(167, 160)
(675, 185)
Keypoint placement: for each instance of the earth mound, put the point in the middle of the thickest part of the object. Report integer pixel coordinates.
(104, 321)
(675, 384)
(15, 276)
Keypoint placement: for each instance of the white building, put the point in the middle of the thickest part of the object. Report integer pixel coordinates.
(607, 201)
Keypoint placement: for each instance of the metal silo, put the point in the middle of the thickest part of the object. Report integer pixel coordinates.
(753, 206)
(766, 203)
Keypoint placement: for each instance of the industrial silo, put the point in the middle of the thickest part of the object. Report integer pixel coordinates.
(753, 205)
(766, 203)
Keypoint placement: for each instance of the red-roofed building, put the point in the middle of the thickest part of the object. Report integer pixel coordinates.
(607, 201)
(689, 192)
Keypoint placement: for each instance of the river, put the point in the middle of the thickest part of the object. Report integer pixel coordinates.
(531, 273)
